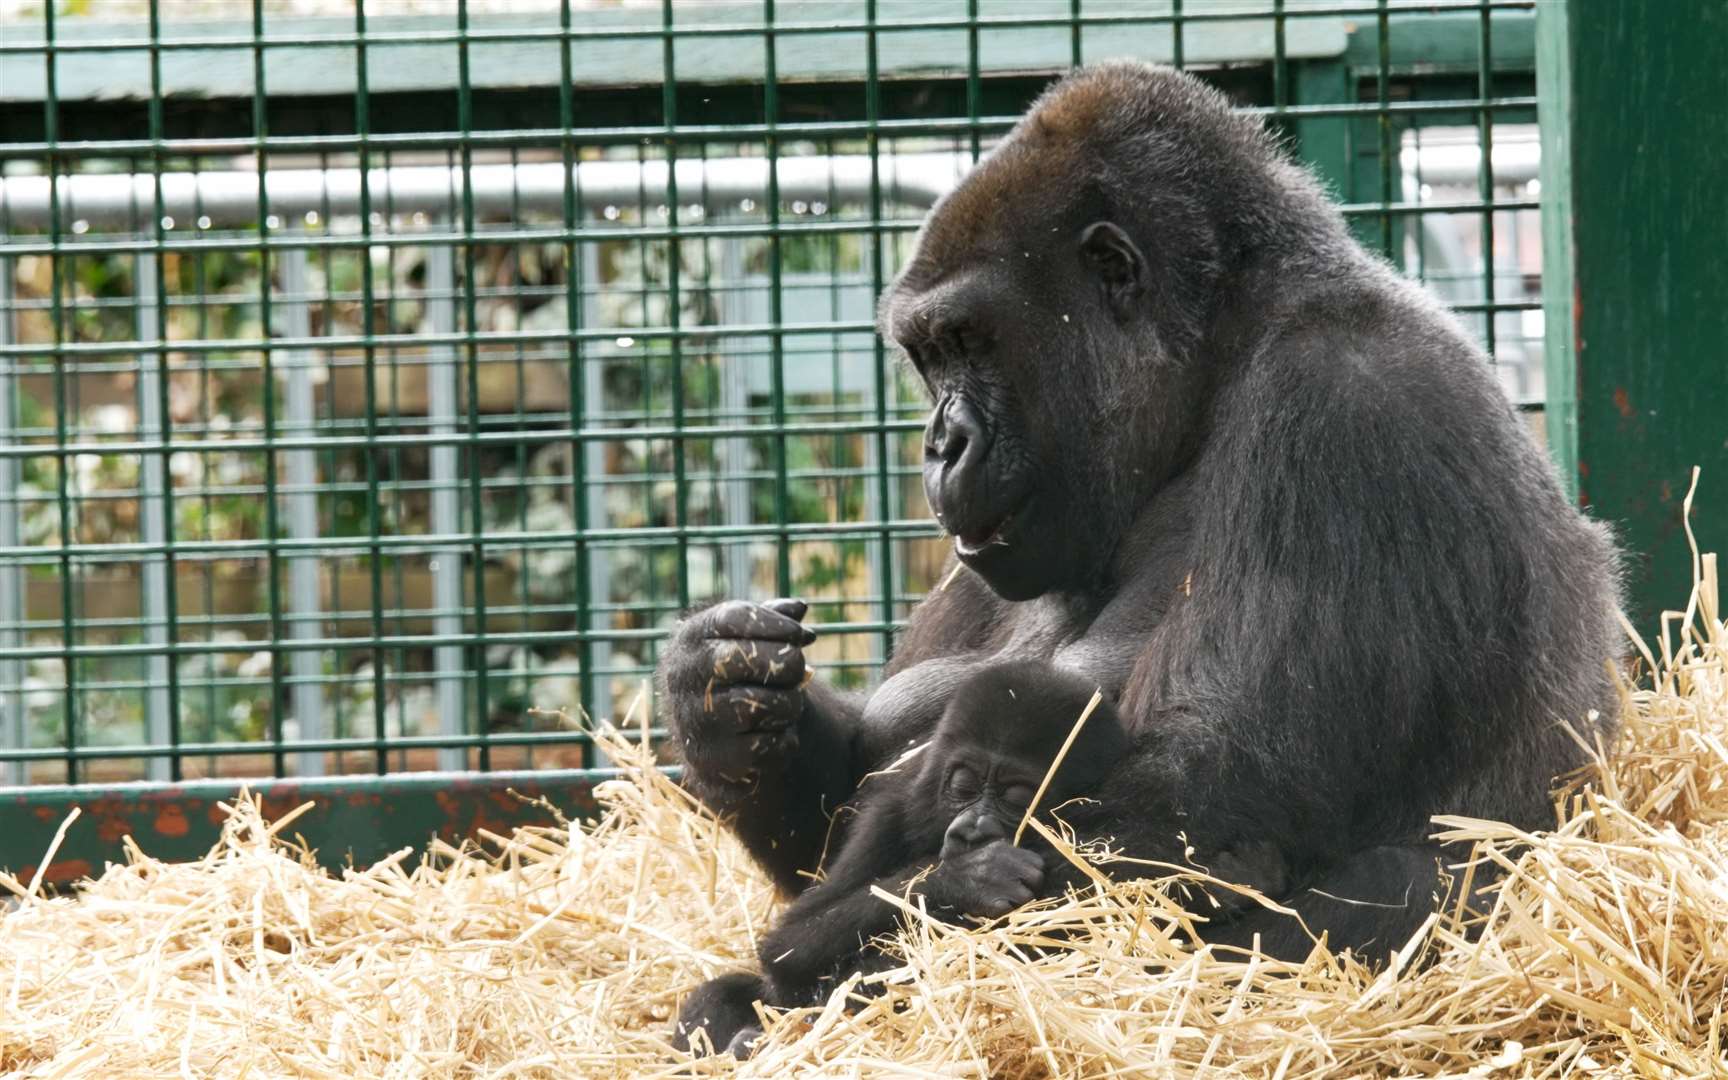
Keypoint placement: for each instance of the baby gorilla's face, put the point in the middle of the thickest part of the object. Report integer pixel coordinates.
(984, 800)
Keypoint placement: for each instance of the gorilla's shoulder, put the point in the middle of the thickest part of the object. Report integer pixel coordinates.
(1367, 344)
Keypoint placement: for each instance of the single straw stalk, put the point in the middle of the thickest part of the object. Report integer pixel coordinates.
(1061, 753)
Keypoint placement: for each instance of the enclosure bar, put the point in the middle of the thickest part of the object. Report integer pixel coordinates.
(405, 641)
(878, 348)
(674, 296)
(1382, 92)
(62, 482)
(573, 276)
(1178, 21)
(159, 603)
(272, 511)
(776, 300)
(490, 438)
(974, 84)
(1280, 62)
(347, 546)
(390, 463)
(369, 347)
(1176, 16)
(14, 729)
(305, 599)
(1485, 179)
(157, 582)
(594, 498)
(261, 747)
(1074, 44)
(446, 482)
(465, 120)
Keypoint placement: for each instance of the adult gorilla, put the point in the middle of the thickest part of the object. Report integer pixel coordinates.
(1195, 444)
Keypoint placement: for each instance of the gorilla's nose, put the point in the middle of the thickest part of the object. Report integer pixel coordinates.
(955, 442)
(969, 831)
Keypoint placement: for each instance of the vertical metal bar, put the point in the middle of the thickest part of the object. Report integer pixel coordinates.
(574, 321)
(1383, 92)
(1074, 51)
(974, 83)
(153, 495)
(465, 121)
(776, 304)
(305, 599)
(369, 350)
(674, 297)
(880, 441)
(441, 383)
(1176, 28)
(161, 602)
(62, 411)
(14, 732)
(732, 456)
(1485, 177)
(273, 584)
(1280, 59)
(593, 495)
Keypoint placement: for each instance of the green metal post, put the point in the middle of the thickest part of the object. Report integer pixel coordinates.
(1635, 146)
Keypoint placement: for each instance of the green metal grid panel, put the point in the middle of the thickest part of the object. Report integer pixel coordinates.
(375, 386)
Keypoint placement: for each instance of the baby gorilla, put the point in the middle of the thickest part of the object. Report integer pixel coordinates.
(938, 824)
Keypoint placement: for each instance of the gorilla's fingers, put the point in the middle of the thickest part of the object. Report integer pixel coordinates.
(1026, 867)
(742, 619)
(744, 1043)
(753, 660)
(790, 607)
(748, 708)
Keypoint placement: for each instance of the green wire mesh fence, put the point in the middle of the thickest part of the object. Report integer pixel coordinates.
(376, 386)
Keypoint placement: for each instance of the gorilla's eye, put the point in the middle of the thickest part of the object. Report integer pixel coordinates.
(1018, 796)
(915, 356)
(963, 783)
(969, 341)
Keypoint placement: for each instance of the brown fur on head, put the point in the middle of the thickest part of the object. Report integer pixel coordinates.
(1075, 275)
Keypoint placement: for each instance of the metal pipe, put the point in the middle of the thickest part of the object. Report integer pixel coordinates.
(305, 594)
(230, 198)
(113, 200)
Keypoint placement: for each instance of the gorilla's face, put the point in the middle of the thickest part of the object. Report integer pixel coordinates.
(1023, 335)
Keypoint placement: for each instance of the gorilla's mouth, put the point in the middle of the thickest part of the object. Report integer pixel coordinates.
(975, 542)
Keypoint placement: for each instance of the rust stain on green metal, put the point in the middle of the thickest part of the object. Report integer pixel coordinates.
(353, 820)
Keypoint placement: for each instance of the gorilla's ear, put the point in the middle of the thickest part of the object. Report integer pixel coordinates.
(1120, 267)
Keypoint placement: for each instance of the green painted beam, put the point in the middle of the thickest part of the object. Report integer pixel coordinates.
(1636, 270)
(355, 820)
(718, 41)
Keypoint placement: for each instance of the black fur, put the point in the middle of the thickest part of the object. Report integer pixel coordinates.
(940, 825)
(1219, 460)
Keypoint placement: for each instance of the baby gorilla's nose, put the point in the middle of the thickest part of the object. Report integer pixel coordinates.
(971, 830)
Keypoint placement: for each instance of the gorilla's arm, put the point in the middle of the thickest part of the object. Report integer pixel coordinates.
(760, 744)
(776, 753)
(825, 934)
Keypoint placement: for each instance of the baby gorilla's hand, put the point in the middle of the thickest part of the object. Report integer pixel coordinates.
(990, 880)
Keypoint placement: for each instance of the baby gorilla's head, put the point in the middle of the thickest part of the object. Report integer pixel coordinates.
(1002, 729)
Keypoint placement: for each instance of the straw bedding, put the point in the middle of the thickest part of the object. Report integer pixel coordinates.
(563, 950)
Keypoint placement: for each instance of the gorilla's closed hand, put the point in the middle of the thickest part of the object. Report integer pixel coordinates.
(1196, 445)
